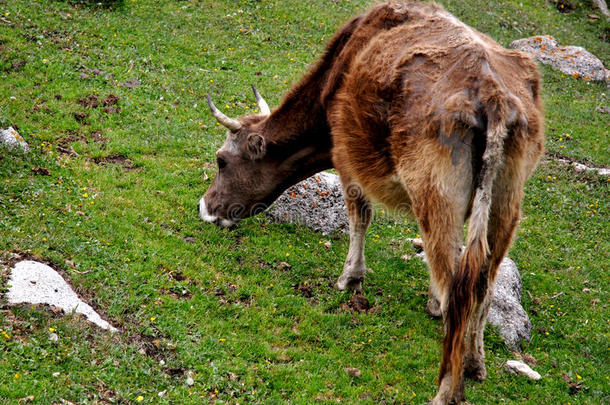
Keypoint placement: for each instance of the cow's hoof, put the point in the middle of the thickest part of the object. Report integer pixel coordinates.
(433, 307)
(475, 368)
(349, 284)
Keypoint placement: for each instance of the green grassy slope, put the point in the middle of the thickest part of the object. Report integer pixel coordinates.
(118, 216)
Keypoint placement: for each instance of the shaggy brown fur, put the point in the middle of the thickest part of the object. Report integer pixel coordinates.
(423, 114)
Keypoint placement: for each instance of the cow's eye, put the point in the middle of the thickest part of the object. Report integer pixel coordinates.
(221, 163)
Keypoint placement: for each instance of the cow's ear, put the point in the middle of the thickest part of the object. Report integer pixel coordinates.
(256, 146)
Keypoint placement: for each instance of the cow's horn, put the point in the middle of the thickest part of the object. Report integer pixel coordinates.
(262, 104)
(230, 123)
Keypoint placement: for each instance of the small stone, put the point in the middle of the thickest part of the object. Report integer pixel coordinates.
(283, 266)
(603, 109)
(520, 368)
(56, 374)
(586, 290)
(354, 372)
(11, 138)
(189, 379)
(53, 337)
(161, 362)
(162, 393)
(142, 352)
(327, 244)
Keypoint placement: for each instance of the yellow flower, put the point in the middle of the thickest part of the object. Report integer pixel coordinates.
(140, 398)
(152, 318)
(51, 330)
(222, 340)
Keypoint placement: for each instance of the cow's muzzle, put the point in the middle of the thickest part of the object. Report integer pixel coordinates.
(207, 217)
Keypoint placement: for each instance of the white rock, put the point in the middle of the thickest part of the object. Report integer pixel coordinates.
(571, 60)
(36, 283)
(602, 6)
(520, 368)
(189, 379)
(579, 167)
(12, 139)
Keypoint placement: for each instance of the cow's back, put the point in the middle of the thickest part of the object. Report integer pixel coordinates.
(406, 77)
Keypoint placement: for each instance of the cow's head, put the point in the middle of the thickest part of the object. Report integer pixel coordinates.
(248, 178)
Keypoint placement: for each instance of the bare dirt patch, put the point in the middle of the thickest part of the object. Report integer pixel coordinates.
(116, 159)
(41, 171)
(112, 109)
(89, 101)
(110, 100)
(17, 65)
(80, 117)
(97, 137)
(357, 303)
(305, 289)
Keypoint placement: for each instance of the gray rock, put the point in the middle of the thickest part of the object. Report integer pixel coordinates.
(316, 202)
(506, 312)
(571, 60)
(12, 139)
(602, 6)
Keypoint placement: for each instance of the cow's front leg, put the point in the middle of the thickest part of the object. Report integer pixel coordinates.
(360, 213)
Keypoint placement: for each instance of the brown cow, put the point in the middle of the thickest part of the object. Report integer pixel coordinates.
(413, 109)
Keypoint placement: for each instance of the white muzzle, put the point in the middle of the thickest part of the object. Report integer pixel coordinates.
(204, 215)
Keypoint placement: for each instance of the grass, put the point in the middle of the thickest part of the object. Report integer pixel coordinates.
(118, 217)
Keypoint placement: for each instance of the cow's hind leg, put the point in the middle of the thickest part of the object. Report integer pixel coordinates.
(441, 227)
(440, 191)
(359, 212)
(503, 219)
(441, 220)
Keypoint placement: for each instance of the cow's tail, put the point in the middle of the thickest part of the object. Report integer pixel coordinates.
(469, 283)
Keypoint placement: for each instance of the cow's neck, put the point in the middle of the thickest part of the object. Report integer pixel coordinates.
(299, 125)
(299, 132)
